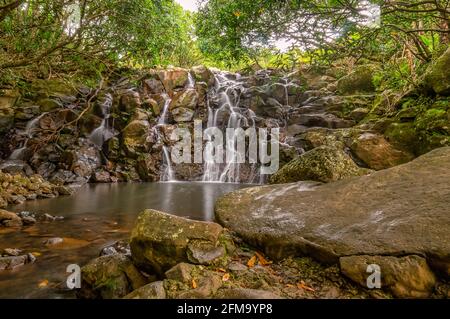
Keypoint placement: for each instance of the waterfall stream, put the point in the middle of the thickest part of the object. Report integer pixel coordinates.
(224, 100)
(105, 131)
(168, 174)
(18, 153)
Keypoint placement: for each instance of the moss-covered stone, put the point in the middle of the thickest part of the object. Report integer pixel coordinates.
(323, 164)
(109, 277)
(359, 80)
(438, 75)
(159, 241)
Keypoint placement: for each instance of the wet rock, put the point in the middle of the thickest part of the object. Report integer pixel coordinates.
(31, 258)
(378, 153)
(159, 241)
(322, 164)
(9, 219)
(11, 262)
(405, 277)
(119, 247)
(109, 277)
(243, 293)
(181, 272)
(11, 252)
(155, 290)
(28, 221)
(397, 211)
(8, 99)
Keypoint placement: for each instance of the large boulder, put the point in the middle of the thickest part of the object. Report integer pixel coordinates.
(159, 241)
(377, 153)
(394, 212)
(359, 81)
(438, 75)
(109, 277)
(322, 164)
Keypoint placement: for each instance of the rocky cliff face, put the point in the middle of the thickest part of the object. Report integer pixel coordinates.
(121, 130)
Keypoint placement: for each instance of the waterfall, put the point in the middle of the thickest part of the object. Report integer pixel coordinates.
(18, 153)
(191, 81)
(104, 132)
(168, 174)
(225, 97)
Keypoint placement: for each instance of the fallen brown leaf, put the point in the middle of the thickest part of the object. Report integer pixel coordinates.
(251, 263)
(262, 261)
(194, 284)
(43, 283)
(302, 285)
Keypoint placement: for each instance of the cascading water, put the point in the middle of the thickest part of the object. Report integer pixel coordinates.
(226, 101)
(105, 131)
(168, 174)
(18, 153)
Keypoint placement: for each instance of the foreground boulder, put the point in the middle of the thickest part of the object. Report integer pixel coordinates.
(110, 277)
(159, 241)
(395, 212)
(322, 164)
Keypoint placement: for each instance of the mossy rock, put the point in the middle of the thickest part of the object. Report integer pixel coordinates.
(359, 81)
(109, 277)
(159, 241)
(322, 164)
(438, 75)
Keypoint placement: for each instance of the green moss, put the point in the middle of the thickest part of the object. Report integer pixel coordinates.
(360, 80)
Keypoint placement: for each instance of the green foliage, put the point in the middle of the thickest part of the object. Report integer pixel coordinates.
(88, 38)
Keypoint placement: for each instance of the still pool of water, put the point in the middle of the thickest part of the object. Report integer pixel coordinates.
(94, 217)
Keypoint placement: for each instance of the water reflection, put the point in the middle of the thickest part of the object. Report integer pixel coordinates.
(193, 200)
(97, 215)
